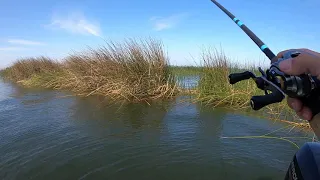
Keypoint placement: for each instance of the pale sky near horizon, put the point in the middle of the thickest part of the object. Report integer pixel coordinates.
(56, 28)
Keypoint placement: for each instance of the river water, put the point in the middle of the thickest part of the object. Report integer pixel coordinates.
(51, 135)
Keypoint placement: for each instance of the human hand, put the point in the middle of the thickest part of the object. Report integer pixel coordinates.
(307, 62)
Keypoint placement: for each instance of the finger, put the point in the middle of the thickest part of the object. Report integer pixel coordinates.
(304, 63)
(306, 113)
(280, 54)
(309, 51)
(295, 104)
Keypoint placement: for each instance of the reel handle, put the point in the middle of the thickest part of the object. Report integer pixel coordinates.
(258, 102)
(236, 77)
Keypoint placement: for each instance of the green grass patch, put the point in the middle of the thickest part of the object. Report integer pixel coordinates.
(186, 70)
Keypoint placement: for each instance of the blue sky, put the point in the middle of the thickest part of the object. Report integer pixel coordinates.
(56, 28)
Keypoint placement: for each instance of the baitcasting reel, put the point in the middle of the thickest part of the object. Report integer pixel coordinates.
(305, 164)
(304, 87)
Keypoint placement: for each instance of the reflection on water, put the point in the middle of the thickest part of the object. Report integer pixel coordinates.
(49, 135)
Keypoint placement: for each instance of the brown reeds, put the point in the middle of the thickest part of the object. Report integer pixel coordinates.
(25, 68)
(132, 71)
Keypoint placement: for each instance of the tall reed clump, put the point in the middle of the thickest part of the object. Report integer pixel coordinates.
(135, 71)
(26, 68)
(214, 87)
(132, 70)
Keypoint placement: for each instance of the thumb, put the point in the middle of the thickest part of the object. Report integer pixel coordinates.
(304, 63)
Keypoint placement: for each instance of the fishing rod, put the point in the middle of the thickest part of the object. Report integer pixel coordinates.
(264, 48)
(304, 87)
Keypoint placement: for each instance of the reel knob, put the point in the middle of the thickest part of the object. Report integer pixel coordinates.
(236, 77)
(258, 102)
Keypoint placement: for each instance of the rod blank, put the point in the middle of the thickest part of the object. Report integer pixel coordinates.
(263, 47)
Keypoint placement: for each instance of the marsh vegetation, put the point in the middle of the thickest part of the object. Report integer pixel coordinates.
(140, 71)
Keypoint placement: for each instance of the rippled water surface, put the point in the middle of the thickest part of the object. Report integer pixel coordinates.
(50, 135)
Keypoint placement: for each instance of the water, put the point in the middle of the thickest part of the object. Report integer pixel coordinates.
(49, 135)
(188, 82)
